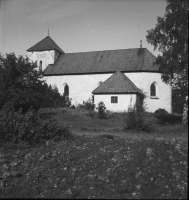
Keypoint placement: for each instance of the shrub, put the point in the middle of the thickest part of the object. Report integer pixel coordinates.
(160, 112)
(72, 107)
(80, 106)
(88, 105)
(16, 126)
(68, 102)
(164, 117)
(101, 110)
(135, 118)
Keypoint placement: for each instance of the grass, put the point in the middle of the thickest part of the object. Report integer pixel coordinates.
(80, 122)
(79, 119)
(101, 161)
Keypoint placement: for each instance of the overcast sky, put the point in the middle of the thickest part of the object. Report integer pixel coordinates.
(78, 25)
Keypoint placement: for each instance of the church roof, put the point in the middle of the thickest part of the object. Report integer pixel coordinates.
(117, 83)
(45, 44)
(125, 60)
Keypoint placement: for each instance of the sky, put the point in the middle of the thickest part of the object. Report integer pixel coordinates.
(78, 25)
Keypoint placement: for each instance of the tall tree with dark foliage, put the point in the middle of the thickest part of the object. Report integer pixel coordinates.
(170, 37)
(21, 85)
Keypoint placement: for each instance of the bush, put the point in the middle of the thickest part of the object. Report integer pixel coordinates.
(160, 112)
(135, 118)
(164, 117)
(16, 126)
(88, 105)
(24, 100)
(101, 110)
(72, 107)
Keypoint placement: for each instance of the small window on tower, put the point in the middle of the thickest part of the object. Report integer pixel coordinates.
(40, 66)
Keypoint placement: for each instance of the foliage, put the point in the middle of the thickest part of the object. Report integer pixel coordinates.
(178, 100)
(21, 85)
(170, 36)
(160, 112)
(101, 110)
(72, 106)
(164, 117)
(79, 121)
(135, 117)
(19, 82)
(16, 126)
(88, 105)
(52, 98)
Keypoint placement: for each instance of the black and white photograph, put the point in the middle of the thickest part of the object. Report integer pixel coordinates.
(94, 99)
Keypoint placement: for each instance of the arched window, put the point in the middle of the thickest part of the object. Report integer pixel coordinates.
(153, 90)
(40, 65)
(66, 90)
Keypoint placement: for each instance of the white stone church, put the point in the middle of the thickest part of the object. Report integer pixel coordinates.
(115, 77)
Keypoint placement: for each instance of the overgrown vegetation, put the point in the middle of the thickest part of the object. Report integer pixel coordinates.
(170, 37)
(21, 86)
(88, 105)
(22, 94)
(178, 100)
(29, 127)
(135, 117)
(101, 110)
(164, 117)
(114, 164)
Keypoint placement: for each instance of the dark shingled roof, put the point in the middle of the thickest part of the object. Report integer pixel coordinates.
(117, 83)
(125, 60)
(45, 44)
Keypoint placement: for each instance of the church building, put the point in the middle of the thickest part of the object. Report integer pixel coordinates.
(116, 77)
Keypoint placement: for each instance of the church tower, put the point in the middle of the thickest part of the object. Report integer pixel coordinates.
(44, 53)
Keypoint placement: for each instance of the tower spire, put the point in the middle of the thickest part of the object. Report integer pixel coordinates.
(48, 30)
(141, 44)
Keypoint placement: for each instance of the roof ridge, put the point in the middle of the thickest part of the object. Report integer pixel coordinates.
(110, 61)
(106, 80)
(38, 42)
(125, 78)
(46, 43)
(104, 50)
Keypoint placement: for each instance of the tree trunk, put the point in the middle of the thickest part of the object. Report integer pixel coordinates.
(185, 113)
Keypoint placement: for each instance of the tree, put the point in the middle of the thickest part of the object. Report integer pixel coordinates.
(19, 82)
(21, 85)
(170, 36)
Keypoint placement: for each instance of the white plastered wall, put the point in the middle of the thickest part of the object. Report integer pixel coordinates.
(47, 57)
(122, 104)
(143, 81)
(81, 87)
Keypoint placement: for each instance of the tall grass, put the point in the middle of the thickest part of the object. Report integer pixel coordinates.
(81, 123)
